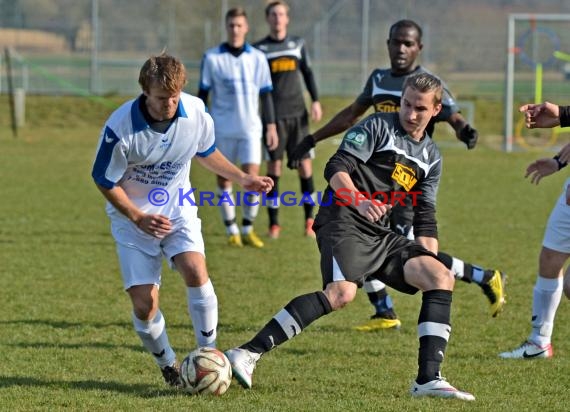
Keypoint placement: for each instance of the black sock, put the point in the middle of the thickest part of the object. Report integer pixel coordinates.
(229, 222)
(467, 272)
(307, 188)
(273, 210)
(488, 274)
(436, 309)
(289, 322)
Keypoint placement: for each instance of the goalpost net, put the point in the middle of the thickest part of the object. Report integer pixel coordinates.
(538, 69)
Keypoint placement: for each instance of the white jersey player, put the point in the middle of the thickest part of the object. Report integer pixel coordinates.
(551, 280)
(237, 76)
(142, 167)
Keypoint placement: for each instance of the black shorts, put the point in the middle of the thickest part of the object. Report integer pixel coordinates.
(348, 253)
(290, 131)
(402, 217)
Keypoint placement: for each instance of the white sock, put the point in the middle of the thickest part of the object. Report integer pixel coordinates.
(154, 338)
(546, 298)
(374, 285)
(203, 309)
(227, 204)
(251, 207)
(457, 267)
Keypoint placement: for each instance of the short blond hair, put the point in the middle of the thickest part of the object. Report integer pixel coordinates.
(425, 83)
(163, 70)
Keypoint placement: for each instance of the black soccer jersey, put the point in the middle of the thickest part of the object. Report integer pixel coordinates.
(382, 159)
(383, 90)
(288, 59)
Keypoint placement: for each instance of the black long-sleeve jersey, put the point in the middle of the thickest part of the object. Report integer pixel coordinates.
(288, 61)
(383, 90)
(564, 116)
(381, 158)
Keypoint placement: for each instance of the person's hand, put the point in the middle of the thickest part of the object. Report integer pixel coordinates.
(316, 112)
(469, 136)
(541, 168)
(543, 115)
(155, 225)
(294, 160)
(257, 183)
(372, 210)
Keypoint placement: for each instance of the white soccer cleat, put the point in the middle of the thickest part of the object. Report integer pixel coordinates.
(243, 363)
(440, 388)
(529, 350)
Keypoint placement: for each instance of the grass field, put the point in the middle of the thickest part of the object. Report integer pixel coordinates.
(66, 337)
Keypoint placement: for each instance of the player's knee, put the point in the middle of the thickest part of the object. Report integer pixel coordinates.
(145, 309)
(194, 277)
(340, 294)
(145, 301)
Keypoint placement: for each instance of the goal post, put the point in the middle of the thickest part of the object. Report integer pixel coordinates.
(538, 68)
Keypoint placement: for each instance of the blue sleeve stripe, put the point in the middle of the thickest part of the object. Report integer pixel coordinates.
(207, 152)
(103, 159)
(266, 89)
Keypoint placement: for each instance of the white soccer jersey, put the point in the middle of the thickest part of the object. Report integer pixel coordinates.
(152, 167)
(235, 84)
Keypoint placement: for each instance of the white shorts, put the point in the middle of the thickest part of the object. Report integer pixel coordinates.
(240, 151)
(557, 233)
(140, 254)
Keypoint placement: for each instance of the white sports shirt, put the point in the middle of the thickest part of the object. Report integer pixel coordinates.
(235, 84)
(152, 167)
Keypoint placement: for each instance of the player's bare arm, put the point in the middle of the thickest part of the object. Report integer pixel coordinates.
(546, 166)
(370, 209)
(216, 162)
(541, 168)
(156, 225)
(541, 115)
(342, 121)
(271, 137)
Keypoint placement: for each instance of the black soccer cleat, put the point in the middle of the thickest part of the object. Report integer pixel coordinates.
(171, 375)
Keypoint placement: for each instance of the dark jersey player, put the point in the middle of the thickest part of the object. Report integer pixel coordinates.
(355, 240)
(383, 91)
(289, 61)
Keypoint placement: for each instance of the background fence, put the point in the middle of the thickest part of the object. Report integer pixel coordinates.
(97, 46)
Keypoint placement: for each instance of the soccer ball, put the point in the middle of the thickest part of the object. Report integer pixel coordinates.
(206, 371)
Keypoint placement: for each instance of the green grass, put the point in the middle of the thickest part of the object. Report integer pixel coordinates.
(66, 338)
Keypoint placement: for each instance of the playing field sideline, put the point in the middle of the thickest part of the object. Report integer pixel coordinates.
(66, 335)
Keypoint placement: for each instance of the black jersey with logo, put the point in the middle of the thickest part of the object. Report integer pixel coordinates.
(288, 60)
(383, 90)
(381, 157)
